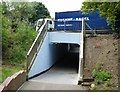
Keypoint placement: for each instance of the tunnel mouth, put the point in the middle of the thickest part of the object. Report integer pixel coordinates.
(65, 70)
(70, 61)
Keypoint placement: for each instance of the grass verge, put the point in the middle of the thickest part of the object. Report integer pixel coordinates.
(7, 71)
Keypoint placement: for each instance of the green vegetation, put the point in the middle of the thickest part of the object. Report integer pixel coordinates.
(8, 71)
(40, 11)
(18, 33)
(16, 45)
(0, 74)
(110, 10)
(101, 77)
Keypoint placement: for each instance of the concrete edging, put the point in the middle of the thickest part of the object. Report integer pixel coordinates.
(13, 82)
(81, 56)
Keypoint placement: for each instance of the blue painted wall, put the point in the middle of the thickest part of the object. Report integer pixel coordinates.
(65, 37)
(47, 56)
(51, 52)
(93, 19)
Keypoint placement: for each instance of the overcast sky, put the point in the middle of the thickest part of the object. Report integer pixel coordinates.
(61, 5)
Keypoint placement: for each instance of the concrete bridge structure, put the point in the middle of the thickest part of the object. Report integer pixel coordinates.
(55, 59)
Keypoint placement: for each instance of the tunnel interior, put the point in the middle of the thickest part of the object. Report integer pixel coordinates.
(70, 60)
(57, 60)
(65, 68)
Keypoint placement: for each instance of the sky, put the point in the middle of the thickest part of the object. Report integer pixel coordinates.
(61, 5)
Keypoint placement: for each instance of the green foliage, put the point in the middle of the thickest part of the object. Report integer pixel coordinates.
(17, 32)
(101, 75)
(5, 34)
(0, 74)
(25, 35)
(19, 11)
(110, 10)
(7, 71)
(93, 89)
(16, 45)
(108, 82)
(40, 11)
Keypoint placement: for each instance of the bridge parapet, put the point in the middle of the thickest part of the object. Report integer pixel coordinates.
(65, 37)
(33, 51)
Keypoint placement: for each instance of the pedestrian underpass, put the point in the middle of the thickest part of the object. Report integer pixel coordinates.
(55, 60)
(64, 71)
(57, 57)
(55, 49)
(62, 75)
(57, 63)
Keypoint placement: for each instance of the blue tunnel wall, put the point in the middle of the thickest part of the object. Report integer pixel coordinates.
(47, 56)
(53, 49)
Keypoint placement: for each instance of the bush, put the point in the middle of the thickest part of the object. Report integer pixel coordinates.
(16, 44)
(101, 75)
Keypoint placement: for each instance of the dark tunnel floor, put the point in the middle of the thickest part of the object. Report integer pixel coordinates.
(63, 72)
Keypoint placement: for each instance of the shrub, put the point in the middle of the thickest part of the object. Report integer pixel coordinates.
(16, 44)
(101, 75)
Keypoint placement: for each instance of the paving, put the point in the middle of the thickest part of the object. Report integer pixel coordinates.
(63, 72)
(30, 85)
(62, 76)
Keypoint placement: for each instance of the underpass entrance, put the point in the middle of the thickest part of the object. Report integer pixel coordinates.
(65, 70)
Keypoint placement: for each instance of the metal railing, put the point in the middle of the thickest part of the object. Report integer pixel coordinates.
(33, 51)
(92, 31)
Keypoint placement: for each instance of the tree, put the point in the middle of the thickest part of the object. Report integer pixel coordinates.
(16, 12)
(17, 33)
(29, 11)
(110, 10)
(40, 11)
